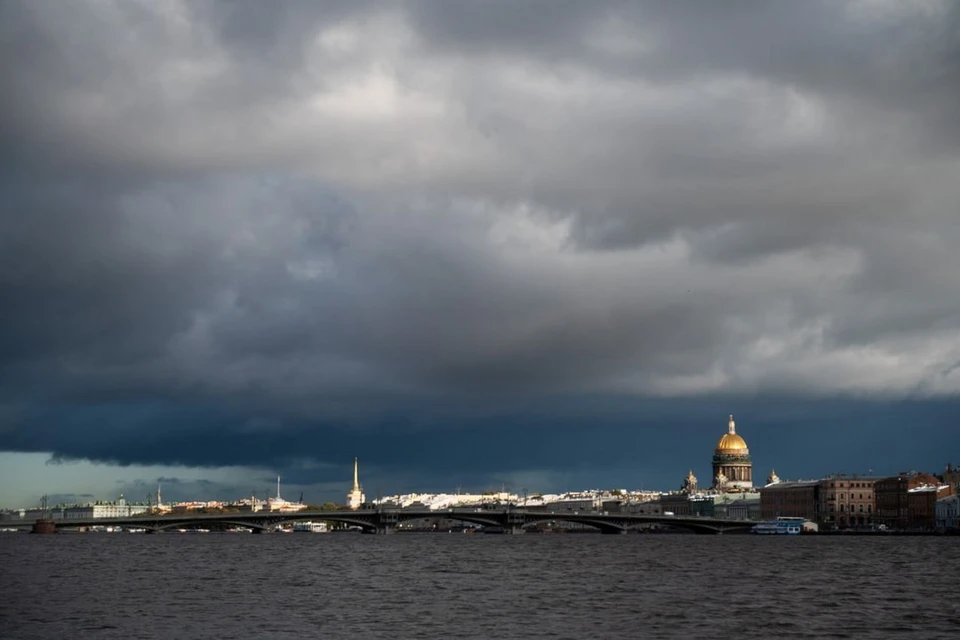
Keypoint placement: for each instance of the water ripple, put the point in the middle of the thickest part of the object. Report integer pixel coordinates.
(442, 586)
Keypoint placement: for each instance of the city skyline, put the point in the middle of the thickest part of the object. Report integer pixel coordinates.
(533, 244)
(227, 483)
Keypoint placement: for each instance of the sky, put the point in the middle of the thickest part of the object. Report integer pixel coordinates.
(540, 245)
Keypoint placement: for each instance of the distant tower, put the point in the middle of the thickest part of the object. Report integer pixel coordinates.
(278, 487)
(159, 500)
(355, 497)
(690, 483)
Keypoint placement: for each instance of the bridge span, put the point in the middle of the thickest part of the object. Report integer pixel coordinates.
(385, 521)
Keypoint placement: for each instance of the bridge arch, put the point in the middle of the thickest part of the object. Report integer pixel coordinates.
(603, 527)
(364, 523)
(475, 518)
(193, 524)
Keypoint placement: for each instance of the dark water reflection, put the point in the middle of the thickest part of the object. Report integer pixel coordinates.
(475, 586)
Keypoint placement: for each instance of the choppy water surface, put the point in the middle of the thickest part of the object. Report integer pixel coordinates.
(476, 586)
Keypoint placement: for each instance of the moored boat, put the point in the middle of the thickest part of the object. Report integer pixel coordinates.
(783, 526)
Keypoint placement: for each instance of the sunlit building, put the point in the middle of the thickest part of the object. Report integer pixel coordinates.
(117, 509)
(689, 483)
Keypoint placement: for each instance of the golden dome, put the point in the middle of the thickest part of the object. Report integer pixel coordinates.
(731, 441)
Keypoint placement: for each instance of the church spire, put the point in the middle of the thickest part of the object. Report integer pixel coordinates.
(731, 426)
(356, 476)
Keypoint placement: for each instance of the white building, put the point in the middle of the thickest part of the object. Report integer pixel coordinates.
(279, 504)
(574, 504)
(948, 512)
(644, 508)
(119, 509)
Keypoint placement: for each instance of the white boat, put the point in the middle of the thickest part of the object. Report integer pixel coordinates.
(782, 526)
(310, 527)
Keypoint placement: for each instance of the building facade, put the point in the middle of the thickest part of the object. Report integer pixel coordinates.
(684, 504)
(922, 506)
(118, 509)
(948, 513)
(793, 499)
(643, 508)
(743, 506)
(732, 465)
(908, 501)
(847, 502)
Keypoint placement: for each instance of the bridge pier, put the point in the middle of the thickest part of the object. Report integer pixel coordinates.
(44, 525)
(385, 522)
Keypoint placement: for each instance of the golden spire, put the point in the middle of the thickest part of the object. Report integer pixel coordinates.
(356, 476)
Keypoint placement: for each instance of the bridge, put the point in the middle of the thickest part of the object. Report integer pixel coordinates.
(386, 521)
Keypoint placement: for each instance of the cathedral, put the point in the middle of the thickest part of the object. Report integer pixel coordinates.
(732, 466)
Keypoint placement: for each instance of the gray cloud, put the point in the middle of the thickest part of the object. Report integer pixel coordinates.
(333, 212)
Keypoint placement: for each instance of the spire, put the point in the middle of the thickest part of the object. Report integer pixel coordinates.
(731, 426)
(278, 486)
(356, 476)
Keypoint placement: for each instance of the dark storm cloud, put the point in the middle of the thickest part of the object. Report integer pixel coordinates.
(230, 234)
(641, 443)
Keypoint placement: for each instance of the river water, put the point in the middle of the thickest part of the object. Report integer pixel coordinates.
(476, 586)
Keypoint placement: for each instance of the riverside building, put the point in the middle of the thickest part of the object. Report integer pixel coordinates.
(120, 508)
(948, 513)
(847, 502)
(908, 501)
(791, 499)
